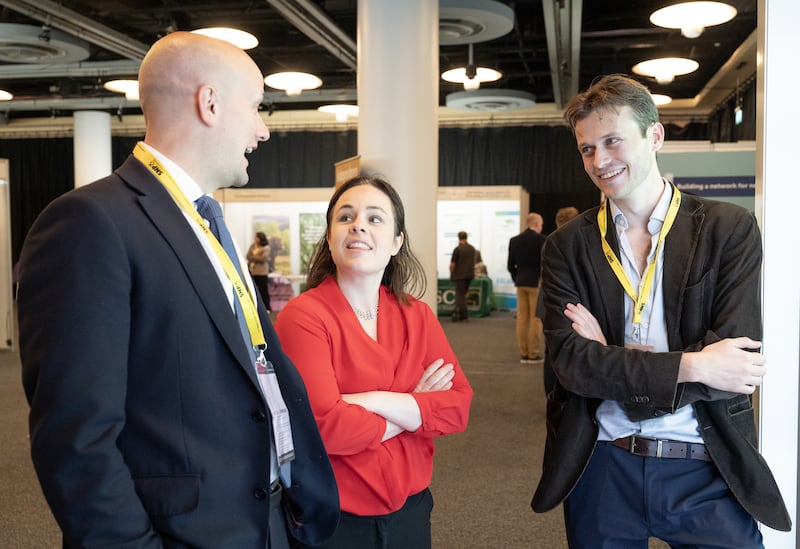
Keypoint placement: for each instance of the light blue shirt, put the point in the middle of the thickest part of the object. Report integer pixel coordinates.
(681, 425)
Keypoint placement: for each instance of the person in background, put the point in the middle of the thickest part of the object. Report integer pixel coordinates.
(382, 378)
(258, 264)
(652, 320)
(149, 426)
(524, 265)
(462, 271)
(480, 267)
(563, 215)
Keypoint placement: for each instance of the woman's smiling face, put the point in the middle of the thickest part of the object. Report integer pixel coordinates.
(361, 235)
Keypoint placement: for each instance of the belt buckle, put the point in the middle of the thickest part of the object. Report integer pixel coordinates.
(644, 451)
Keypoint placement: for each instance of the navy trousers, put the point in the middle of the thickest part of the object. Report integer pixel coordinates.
(621, 500)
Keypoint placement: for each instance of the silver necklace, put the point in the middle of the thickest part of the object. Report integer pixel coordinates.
(370, 314)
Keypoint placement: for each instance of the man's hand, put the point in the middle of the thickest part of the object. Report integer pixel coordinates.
(584, 323)
(726, 365)
(438, 376)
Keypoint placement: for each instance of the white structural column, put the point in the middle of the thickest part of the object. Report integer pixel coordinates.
(398, 139)
(777, 201)
(92, 147)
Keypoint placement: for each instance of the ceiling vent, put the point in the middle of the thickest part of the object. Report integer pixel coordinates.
(33, 44)
(470, 21)
(489, 100)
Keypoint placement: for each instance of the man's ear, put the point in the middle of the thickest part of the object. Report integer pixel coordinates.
(207, 104)
(658, 135)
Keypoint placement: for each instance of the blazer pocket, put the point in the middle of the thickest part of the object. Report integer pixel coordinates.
(168, 495)
(696, 308)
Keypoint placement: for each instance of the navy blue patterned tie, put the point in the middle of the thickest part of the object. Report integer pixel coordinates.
(210, 210)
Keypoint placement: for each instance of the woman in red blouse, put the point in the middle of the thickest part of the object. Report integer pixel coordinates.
(382, 379)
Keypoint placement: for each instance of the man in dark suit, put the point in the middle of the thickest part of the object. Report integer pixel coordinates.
(154, 422)
(652, 323)
(524, 265)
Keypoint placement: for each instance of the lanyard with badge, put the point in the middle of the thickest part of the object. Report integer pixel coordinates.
(640, 298)
(284, 444)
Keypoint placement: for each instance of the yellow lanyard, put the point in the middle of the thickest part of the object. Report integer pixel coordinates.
(640, 300)
(241, 292)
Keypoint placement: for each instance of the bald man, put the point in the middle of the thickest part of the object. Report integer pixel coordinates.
(524, 265)
(156, 420)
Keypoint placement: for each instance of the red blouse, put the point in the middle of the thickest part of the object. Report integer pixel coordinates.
(324, 339)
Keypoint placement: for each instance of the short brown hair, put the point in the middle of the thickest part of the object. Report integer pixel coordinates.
(613, 92)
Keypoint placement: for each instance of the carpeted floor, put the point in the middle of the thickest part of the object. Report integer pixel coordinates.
(483, 478)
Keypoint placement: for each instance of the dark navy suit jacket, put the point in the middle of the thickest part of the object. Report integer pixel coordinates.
(712, 265)
(147, 424)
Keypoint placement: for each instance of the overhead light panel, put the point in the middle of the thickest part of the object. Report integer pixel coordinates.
(293, 82)
(342, 112)
(665, 70)
(238, 38)
(693, 17)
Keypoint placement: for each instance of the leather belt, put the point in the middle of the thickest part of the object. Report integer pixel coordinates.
(651, 447)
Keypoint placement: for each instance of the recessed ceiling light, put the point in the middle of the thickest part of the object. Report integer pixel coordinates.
(693, 17)
(238, 38)
(6, 96)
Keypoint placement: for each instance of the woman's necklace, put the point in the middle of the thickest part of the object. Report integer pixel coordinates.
(370, 314)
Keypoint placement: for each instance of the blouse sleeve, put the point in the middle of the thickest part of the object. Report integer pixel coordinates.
(443, 412)
(346, 429)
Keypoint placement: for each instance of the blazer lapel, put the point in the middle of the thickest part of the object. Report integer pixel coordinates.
(159, 206)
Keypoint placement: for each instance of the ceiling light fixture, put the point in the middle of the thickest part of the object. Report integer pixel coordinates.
(660, 99)
(342, 112)
(471, 76)
(293, 82)
(693, 17)
(6, 96)
(665, 70)
(129, 87)
(239, 38)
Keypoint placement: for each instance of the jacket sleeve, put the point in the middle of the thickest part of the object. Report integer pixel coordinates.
(726, 296)
(74, 310)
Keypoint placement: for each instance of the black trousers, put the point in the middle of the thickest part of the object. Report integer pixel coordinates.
(407, 528)
(262, 283)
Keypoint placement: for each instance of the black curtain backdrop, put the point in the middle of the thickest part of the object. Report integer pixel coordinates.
(542, 159)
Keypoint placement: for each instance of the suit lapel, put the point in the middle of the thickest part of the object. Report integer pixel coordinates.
(170, 222)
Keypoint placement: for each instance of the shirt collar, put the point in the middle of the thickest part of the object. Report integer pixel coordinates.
(185, 183)
(656, 218)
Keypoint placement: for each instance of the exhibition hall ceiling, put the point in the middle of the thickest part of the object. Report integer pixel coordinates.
(56, 56)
